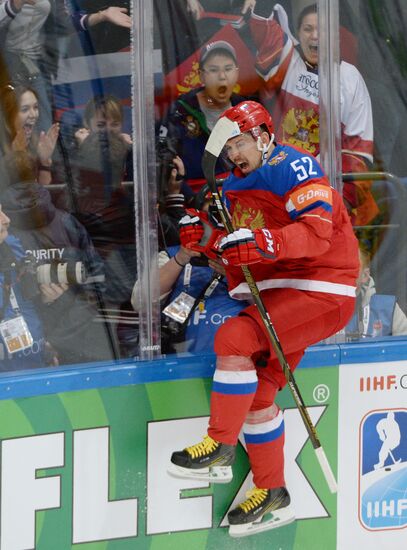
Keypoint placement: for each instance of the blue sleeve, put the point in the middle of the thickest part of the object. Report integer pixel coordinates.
(78, 17)
(289, 168)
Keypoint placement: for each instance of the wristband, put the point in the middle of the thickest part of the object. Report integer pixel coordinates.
(177, 262)
(41, 167)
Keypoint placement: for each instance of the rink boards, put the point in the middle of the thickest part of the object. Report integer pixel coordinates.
(84, 454)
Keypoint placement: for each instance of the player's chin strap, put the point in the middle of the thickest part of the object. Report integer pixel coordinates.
(264, 148)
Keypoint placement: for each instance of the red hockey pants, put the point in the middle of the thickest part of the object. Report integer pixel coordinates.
(243, 393)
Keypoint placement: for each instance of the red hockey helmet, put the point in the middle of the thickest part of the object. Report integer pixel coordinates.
(250, 115)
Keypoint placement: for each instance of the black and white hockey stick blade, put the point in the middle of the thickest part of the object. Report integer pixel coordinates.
(223, 130)
(208, 168)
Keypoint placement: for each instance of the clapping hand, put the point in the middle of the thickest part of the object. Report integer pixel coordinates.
(126, 139)
(46, 143)
(81, 135)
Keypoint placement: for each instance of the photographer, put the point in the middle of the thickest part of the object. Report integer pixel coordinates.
(22, 343)
(52, 238)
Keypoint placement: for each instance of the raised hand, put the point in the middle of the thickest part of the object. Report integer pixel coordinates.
(126, 139)
(194, 6)
(46, 144)
(176, 176)
(81, 135)
(117, 16)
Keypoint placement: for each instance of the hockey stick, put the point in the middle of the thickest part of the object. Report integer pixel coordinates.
(393, 459)
(222, 131)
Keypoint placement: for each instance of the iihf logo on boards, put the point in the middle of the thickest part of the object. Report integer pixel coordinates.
(383, 470)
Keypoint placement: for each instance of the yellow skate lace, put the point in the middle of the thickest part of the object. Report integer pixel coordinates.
(254, 497)
(203, 448)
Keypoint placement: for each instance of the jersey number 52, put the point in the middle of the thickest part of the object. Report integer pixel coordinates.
(304, 168)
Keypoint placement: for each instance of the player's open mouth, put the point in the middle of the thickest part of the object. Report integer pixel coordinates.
(222, 90)
(243, 166)
(313, 49)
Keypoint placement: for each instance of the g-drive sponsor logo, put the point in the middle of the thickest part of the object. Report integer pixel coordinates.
(383, 470)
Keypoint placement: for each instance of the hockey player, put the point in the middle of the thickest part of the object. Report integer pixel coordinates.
(290, 73)
(293, 230)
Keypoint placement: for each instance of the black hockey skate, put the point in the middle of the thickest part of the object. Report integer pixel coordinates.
(263, 509)
(208, 461)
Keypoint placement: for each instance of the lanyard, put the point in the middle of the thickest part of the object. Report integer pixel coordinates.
(209, 289)
(204, 294)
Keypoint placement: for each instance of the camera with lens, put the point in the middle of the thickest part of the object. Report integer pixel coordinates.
(32, 273)
(166, 152)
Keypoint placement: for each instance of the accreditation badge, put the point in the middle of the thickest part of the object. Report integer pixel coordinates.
(180, 308)
(16, 334)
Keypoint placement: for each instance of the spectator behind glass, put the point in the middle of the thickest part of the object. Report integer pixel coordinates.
(102, 156)
(103, 28)
(290, 74)
(21, 112)
(375, 314)
(193, 115)
(19, 316)
(104, 206)
(52, 236)
(103, 114)
(24, 36)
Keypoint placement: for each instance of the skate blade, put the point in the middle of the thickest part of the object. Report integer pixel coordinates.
(216, 474)
(281, 517)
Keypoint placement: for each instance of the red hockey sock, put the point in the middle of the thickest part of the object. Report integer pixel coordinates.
(264, 435)
(234, 387)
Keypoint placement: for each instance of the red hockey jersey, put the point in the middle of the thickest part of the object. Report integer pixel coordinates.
(291, 196)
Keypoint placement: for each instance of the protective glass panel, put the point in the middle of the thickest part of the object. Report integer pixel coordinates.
(322, 99)
(215, 55)
(372, 40)
(69, 262)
